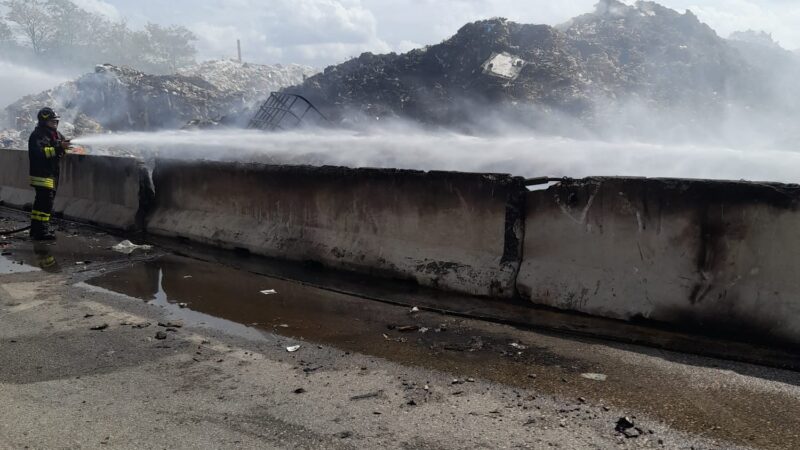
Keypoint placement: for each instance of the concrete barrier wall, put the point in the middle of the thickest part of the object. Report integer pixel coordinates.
(102, 190)
(15, 190)
(724, 256)
(456, 231)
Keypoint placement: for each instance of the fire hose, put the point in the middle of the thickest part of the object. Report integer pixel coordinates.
(10, 232)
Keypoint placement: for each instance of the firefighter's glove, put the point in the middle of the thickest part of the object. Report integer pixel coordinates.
(62, 146)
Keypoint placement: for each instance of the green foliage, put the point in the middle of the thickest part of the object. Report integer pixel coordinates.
(61, 31)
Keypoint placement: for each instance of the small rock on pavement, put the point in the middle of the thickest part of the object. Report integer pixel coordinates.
(627, 427)
(161, 335)
(344, 435)
(99, 327)
(595, 376)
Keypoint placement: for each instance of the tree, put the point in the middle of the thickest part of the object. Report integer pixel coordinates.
(8, 45)
(71, 36)
(6, 35)
(170, 47)
(69, 24)
(32, 18)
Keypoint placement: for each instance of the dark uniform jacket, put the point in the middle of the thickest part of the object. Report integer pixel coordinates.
(45, 149)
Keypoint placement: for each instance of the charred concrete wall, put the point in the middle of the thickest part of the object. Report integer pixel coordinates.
(15, 190)
(723, 256)
(102, 190)
(456, 231)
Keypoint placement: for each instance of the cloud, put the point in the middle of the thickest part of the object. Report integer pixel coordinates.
(776, 17)
(310, 31)
(99, 7)
(322, 32)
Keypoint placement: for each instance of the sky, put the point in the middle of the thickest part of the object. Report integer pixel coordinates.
(325, 32)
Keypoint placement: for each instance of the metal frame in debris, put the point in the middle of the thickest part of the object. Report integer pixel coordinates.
(282, 111)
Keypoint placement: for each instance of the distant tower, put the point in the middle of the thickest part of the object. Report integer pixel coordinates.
(239, 49)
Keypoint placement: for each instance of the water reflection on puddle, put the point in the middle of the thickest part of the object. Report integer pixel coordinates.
(9, 265)
(230, 299)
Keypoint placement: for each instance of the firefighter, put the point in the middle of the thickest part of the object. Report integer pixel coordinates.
(46, 147)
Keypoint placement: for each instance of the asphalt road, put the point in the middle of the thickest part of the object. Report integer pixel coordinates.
(366, 375)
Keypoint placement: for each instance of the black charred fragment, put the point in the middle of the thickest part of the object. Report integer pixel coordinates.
(695, 191)
(147, 196)
(515, 223)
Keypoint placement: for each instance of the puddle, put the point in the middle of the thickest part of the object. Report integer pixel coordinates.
(188, 316)
(9, 265)
(68, 252)
(227, 299)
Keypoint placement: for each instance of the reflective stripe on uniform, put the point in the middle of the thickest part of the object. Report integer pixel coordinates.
(47, 262)
(49, 152)
(40, 216)
(49, 183)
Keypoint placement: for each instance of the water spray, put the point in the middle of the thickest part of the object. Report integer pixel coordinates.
(521, 154)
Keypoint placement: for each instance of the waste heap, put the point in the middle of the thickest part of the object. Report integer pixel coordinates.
(123, 99)
(610, 58)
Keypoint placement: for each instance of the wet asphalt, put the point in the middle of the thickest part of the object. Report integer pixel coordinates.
(368, 374)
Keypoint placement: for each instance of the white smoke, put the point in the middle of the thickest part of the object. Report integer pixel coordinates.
(17, 81)
(518, 154)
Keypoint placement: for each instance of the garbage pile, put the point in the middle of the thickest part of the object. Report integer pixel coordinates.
(123, 99)
(445, 83)
(616, 55)
(253, 81)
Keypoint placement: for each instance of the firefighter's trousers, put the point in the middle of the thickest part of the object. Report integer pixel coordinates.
(42, 211)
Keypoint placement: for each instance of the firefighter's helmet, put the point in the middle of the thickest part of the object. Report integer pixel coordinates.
(46, 114)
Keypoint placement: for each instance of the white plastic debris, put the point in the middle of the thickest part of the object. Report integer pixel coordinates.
(414, 310)
(503, 65)
(518, 346)
(269, 292)
(127, 247)
(595, 376)
(293, 348)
